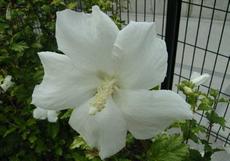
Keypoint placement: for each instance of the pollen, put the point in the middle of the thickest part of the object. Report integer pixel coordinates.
(104, 91)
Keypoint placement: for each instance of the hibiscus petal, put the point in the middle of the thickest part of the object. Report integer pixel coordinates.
(87, 38)
(143, 57)
(63, 86)
(52, 116)
(106, 130)
(39, 113)
(149, 112)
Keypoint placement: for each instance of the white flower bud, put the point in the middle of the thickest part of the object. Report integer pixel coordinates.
(187, 90)
(198, 79)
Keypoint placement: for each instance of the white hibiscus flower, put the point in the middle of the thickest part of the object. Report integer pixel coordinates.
(106, 74)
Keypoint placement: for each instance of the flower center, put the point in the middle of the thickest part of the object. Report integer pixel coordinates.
(105, 90)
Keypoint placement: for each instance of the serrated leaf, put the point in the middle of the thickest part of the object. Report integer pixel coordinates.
(167, 148)
(213, 117)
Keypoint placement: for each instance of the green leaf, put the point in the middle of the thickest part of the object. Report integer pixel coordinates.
(167, 148)
(66, 114)
(223, 100)
(213, 117)
(19, 47)
(59, 151)
(57, 2)
(206, 104)
(71, 5)
(4, 58)
(194, 155)
(40, 147)
(78, 142)
(155, 88)
(36, 45)
(53, 129)
(191, 129)
(32, 139)
(214, 93)
(12, 129)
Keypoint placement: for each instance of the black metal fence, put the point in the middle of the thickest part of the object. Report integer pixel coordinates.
(197, 37)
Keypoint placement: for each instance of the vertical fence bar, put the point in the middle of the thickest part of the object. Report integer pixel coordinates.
(154, 10)
(120, 9)
(171, 38)
(127, 11)
(196, 39)
(185, 40)
(135, 10)
(144, 10)
(112, 7)
(163, 21)
(80, 4)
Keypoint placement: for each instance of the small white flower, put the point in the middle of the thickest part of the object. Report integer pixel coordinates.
(199, 79)
(106, 74)
(7, 83)
(43, 114)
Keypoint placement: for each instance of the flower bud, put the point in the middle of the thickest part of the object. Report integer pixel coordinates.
(187, 90)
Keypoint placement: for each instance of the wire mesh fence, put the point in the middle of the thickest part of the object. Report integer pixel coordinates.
(202, 44)
(202, 47)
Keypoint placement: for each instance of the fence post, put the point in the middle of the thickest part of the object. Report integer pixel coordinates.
(171, 37)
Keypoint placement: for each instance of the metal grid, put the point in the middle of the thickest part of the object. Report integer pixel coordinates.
(214, 61)
(203, 28)
(143, 10)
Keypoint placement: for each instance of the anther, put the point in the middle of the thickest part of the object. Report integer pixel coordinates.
(103, 92)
